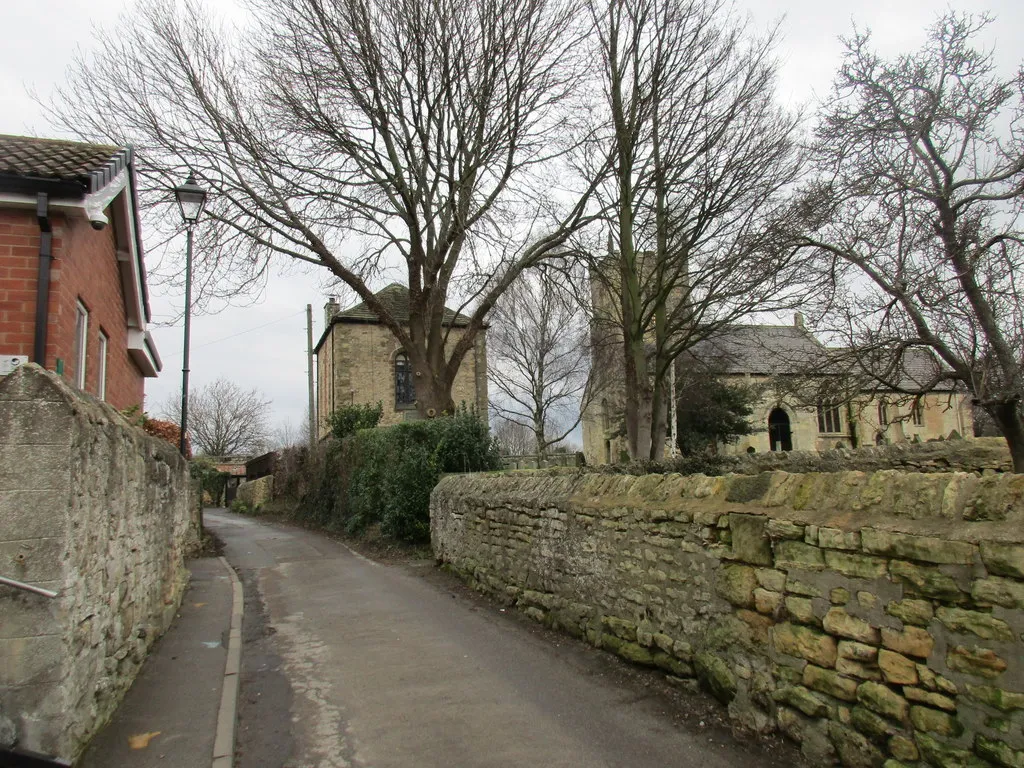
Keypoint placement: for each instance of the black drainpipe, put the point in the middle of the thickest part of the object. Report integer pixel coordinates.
(43, 283)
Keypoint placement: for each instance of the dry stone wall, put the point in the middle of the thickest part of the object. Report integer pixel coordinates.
(96, 510)
(876, 619)
(980, 455)
(256, 492)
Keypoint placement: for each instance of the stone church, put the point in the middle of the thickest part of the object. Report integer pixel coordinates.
(359, 361)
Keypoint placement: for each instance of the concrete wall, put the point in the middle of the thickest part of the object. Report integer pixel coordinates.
(356, 365)
(100, 512)
(870, 617)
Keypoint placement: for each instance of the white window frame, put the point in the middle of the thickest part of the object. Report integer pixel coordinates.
(101, 374)
(81, 342)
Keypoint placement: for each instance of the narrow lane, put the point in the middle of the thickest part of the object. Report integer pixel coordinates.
(388, 670)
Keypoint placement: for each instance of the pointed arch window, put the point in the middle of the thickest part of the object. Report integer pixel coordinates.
(405, 386)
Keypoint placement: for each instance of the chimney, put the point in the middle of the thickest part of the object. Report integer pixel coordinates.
(331, 308)
(798, 320)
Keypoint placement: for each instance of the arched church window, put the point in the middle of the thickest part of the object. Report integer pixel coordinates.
(405, 387)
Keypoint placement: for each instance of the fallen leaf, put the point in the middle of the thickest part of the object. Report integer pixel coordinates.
(198, 605)
(141, 740)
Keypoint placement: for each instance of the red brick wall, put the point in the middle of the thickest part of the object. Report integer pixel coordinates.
(84, 269)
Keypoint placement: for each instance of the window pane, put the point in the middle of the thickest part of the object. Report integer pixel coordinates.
(81, 336)
(101, 384)
(405, 388)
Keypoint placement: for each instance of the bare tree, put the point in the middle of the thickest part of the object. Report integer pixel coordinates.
(513, 438)
(539, 356)
(360, 136)
(286, 435)
(915, 217)
(702, 156)
(224, 419)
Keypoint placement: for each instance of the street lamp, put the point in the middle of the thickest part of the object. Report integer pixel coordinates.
(191, 199)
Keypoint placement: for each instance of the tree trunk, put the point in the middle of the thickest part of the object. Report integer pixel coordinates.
(1008, 418)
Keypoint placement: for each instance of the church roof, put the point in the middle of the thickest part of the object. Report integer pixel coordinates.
(395, 298)
(766, 350)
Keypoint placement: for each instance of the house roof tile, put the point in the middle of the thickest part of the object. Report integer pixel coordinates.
(395, 298)
(90, 165)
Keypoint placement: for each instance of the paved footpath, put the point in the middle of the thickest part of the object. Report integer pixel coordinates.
(378, 667)
(169, 716)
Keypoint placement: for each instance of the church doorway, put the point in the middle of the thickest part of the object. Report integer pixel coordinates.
(780, 437)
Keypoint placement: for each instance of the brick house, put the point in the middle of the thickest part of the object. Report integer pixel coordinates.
(359, 361)
(73, 292)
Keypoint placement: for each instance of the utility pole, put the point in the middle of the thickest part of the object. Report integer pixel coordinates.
(309, 374)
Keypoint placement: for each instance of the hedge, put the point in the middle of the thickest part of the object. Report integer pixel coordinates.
(385, 475)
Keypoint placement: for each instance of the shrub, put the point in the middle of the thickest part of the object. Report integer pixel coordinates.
(384, 476)
(349, 419)
(240, 507)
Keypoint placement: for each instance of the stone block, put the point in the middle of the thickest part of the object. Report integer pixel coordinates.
(835, 538)
(802, 699)
(838, 622)
(903, 749)
(922, 548)
(927, 581)
(897, 668)
(798, 587)
(28, 661)
(801, 609)
(20, 464)
(839, 596)
(856, 566)
(855, 751)
(783, 529)
(883, 700)
(929, 698)
(911, 611)
(940, 755)
(750, 541)
(715, 674)
(804, 643)
(862, 670)
(736, 584)
(796, 554)
(862, 652)
(935, 721)
(980, 662)
(870, 724)
(911, 641)
(767, 602)
(983, 625)
(35, 422)
(998, 752)
(998, 591)
(32, 560)
(830, 682)
(1003, 559)
(997, 698)
(771, 579)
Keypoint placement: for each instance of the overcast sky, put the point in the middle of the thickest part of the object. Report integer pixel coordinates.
(264, 345)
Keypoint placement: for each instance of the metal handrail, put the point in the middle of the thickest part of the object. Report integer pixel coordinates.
(27, 587)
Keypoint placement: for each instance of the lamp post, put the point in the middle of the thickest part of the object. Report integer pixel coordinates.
(191, 199)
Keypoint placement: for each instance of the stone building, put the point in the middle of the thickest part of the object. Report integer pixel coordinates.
(73, 294)
(359, 361)
(791, 368)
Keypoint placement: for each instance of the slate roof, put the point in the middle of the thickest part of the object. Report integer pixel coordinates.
(78, 166)
(766, 350)
(396, 298)
(773, 350)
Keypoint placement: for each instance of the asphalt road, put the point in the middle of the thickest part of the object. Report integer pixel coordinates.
(347, 662)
